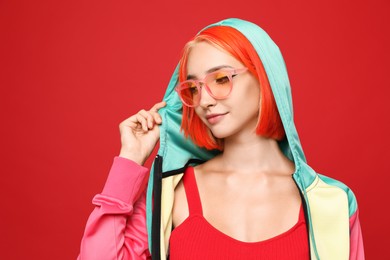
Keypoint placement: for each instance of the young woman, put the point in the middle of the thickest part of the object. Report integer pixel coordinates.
(230, 180)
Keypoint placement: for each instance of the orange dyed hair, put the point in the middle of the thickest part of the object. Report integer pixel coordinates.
(236, 44)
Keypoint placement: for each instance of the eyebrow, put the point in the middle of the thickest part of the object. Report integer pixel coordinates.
(189, 76)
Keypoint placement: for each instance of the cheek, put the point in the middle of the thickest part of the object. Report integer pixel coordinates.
(257, 98)
(198, 113)
(248, 95)
(254, 92)
(254, 87)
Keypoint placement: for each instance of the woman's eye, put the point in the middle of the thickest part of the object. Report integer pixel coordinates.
(193, 90)
(222, 80)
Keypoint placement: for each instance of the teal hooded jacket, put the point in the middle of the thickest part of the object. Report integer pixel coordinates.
(330, 206)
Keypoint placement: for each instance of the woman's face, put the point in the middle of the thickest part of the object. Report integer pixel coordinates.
(238, 113)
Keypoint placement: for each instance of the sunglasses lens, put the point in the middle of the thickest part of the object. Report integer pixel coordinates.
(189, 93)
(219, 83)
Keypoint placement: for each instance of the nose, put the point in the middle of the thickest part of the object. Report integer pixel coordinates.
(206, 100)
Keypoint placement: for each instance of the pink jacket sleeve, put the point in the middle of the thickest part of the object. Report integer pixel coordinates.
(356, 239)
(116, 228)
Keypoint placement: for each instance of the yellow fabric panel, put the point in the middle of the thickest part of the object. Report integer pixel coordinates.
(167, 197)
(330, 220)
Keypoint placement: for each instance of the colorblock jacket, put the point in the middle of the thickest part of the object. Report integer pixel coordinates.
(116, 228)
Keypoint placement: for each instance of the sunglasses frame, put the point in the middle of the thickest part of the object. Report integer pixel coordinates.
(231, 73)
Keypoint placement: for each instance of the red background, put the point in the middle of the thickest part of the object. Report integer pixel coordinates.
(71, 71)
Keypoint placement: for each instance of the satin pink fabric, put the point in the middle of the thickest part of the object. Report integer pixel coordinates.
(356, 238)
(116, 228)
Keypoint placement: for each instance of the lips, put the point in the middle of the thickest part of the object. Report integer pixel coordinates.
(214, 115)
(214, 118)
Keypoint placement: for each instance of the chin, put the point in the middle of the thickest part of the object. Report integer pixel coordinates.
(220, 134)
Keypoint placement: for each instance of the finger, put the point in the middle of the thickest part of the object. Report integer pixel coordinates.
(149, 118)
(158, 105)
(157, 117)
(142, 121)
(131, 121)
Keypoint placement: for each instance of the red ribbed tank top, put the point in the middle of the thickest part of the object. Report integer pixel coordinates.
(196, 238)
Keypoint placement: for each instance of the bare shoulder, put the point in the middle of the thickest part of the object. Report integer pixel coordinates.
(210, 166)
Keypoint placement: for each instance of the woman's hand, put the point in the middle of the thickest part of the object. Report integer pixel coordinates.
(140, 133)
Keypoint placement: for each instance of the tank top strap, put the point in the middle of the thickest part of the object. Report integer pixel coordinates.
(192, 192)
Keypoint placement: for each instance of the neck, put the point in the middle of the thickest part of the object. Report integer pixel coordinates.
(255, 154)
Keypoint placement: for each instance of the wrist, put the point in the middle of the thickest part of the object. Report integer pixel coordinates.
(133, 156)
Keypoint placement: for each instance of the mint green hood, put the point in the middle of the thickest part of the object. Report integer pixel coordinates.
(176, 150)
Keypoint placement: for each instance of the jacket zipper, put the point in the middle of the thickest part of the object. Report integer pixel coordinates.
(156, 215)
